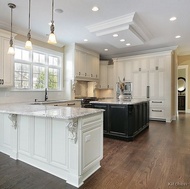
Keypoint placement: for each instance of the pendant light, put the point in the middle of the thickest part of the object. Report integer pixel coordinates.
(52, 38)
(28, 44)
(11, 48)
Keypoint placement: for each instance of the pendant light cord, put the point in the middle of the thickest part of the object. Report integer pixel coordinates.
(29, 16)
(52, 11)
(11, 22)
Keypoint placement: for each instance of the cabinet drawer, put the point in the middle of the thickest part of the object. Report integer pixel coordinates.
(157, 113)
(156, 103)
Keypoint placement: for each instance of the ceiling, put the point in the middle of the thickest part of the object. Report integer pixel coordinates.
(145, 22)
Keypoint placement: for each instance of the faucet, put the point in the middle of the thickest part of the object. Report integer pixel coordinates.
(46, 95)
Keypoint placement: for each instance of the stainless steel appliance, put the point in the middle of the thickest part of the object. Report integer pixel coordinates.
(127, 92)
(85, 102)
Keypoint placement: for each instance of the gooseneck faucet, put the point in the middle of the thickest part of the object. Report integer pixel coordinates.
(46, 95)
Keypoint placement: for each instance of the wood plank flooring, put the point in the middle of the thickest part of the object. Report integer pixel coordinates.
(159, 158)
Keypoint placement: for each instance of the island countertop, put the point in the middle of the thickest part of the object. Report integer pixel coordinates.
(47, 110)
(116, 101)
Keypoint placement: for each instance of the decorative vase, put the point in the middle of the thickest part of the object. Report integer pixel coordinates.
(121, 97)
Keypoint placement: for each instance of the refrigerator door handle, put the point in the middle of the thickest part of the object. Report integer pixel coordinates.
(148, 91)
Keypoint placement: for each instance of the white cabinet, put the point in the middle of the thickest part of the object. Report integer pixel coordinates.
(152, 75)
(6, 61)
(106, 75)
(86, 65)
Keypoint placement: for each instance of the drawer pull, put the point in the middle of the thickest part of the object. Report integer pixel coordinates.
(156, 101)
(156, 110)
(71, 104)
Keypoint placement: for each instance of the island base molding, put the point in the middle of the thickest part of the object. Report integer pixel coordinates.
(51, 144)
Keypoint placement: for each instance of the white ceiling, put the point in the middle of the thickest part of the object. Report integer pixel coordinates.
(72, 25)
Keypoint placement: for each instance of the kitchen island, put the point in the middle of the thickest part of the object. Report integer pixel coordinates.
(64, 141)
(124, 120)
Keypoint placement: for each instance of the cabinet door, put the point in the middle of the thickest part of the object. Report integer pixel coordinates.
(103, 76)
(120, 71)
(140, 83)
(106, 113)
(88, 65)
(156, 83)
(118, 120)
(95, 68)
(79, 62)
(110, 76)
(128, 71)
(8, 65)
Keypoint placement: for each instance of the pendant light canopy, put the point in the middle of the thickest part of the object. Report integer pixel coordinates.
(11, 48)
(52, 38)
(28, 44)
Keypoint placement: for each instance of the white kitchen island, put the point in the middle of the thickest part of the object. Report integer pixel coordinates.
(64, 141)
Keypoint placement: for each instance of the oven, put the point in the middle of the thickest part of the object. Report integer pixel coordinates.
(85, 102)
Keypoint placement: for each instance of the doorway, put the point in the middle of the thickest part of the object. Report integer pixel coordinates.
(182, 88)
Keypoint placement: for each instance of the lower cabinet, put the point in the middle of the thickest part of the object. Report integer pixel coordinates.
(124, 121)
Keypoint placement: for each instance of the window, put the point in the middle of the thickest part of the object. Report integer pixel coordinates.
(37, 70)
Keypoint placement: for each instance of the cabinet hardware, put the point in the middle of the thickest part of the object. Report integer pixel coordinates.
(139, 69)
(108, 86)
(79, 73)
(156, 101)
(3, 81)
(156, 110)
(71, 104)
(85, 74)
(156, 68)
(91, 75)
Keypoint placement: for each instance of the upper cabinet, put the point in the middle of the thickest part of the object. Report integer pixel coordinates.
(106, 75)
(86, 65)
(6, 61)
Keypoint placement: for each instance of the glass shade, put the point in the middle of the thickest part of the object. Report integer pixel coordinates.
(11, 50)
(28, 45)
(52, 39)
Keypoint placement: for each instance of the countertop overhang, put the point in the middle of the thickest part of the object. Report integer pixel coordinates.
(117, 102)
(47, 111)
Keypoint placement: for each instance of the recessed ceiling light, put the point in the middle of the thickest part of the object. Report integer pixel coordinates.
(173, 18)
(105, 49)
(178, 36)
(122, 40)
(58, 10)
(115, 35)
(95, 8)
(85, 40)
(128, 44)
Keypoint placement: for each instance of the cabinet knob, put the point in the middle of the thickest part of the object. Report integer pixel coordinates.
(85, 74)
(79, 73)
(91, 75)
(3, 82)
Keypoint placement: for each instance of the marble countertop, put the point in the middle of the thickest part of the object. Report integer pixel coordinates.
(116, 101)
(47, 111)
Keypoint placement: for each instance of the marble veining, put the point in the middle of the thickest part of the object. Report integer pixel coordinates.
(47, 110)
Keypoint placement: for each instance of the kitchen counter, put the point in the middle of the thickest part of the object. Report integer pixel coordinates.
(116, 101)
(47, 111)
(64, 141)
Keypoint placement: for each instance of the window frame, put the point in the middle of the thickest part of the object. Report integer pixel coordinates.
(47, 52)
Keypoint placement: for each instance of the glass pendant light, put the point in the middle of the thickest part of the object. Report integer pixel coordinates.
(11, 48)
(28, 44)
(52, 38)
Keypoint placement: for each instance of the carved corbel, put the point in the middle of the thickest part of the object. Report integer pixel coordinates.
(13, 118)
(72, 127)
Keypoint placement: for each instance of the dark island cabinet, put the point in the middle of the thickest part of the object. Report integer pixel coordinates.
(105, 116)
(124, 121)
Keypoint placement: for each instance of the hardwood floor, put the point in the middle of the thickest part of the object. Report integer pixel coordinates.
(159, 158)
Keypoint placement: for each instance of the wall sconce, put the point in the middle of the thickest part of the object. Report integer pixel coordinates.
(28, 44)
(11, 48)
(52, 38)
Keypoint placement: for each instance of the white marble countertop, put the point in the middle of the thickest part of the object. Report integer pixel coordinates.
(116, 101)
(47, 110)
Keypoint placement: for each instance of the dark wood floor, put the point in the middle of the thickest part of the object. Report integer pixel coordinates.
(159, 158)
